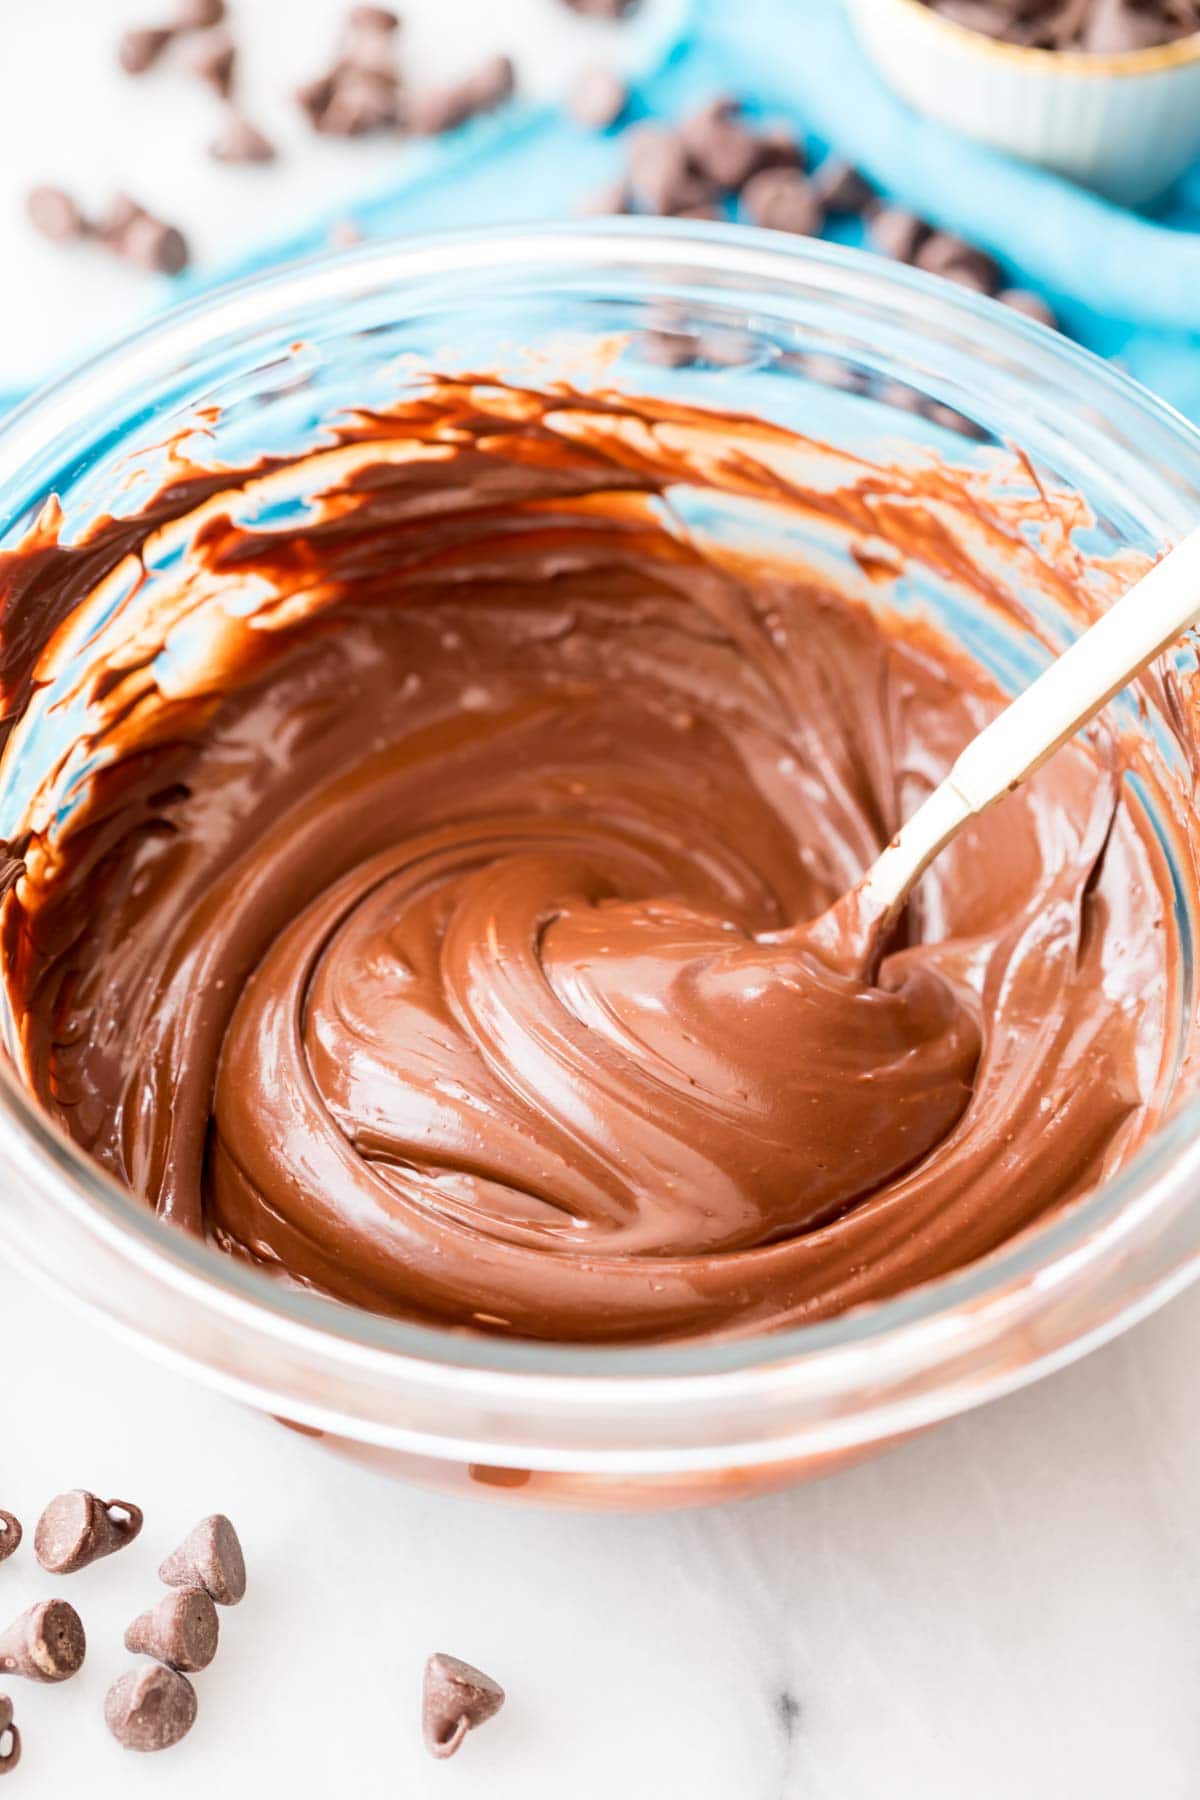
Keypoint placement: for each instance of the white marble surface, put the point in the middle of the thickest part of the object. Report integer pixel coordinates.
(1007, 1609)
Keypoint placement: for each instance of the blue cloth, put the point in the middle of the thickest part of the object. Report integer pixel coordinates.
(1123, 283)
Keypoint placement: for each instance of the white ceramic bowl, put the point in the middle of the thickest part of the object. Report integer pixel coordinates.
(1126, 125)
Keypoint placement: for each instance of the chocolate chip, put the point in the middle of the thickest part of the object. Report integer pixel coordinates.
(457, 1698)
(314, 97)
(122, 212)
(182, 1630)
(214, 62)
(360, 101)
(602, 9)
(153, 244)
(198, 15)
(150, 1708)
(210, 1557)
(598, 99)
(952, 257)
(47, 1643)
(10, 1534)
(1032, 305)
(373, 18)
(10, 1738)
(783, 200)
(661, 176)
(241, 142)
(778, 147)
(897, 233)
(719, 145)
(54, 213)
(77, 1529)
(139, 48)
(606, 202)
(841, 188)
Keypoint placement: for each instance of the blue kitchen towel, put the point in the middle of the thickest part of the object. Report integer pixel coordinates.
(1125, 284)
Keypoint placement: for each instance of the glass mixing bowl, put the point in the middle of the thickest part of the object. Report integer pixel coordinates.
(837, 344)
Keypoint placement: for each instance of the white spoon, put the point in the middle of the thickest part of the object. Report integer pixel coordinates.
(1155, 611)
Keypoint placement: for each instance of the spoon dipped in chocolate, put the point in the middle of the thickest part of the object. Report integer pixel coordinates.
(1077, 685)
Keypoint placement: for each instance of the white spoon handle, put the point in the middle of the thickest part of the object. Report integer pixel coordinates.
(1155, 611)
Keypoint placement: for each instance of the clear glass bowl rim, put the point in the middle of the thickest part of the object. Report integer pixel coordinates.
(984, 1303)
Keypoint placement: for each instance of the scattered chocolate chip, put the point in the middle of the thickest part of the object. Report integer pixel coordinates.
(783, 200)
(47, 1643)
(361, 92)
(182, 1630)
(153, 244)
(139, 48)
(1032, 305)
(662, 178)
(10, 1534)
(77, 1529)
(373, 18)
(942, 253)
(54, 213)
(121, 213)
(602, 9)
(778, 147)
(10, 1738)
(719, 145)
(150, 1708)
(598, 99)
(241, 142)
(841, 188)
(198, 15)
(214, 62)
(442, 109)
(897, 233)
(210, 1557)
(457, 1698)
(360, 102)
(314, 97)
(608, 201)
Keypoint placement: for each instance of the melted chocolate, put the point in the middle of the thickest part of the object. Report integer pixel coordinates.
(414, 900)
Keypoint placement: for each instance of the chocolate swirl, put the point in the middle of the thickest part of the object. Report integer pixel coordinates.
(423, 920)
